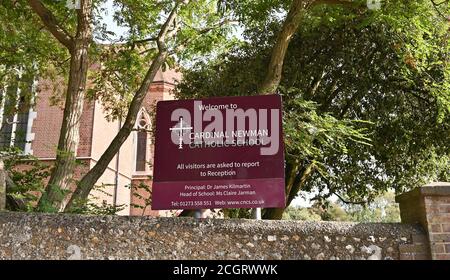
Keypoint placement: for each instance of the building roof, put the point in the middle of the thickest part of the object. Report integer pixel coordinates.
(170, 76)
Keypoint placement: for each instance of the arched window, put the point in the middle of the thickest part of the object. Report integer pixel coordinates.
(142, 142)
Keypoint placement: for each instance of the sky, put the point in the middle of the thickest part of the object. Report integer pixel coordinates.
(108, 19)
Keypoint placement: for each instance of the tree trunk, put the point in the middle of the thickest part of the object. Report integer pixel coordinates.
(273, 213)
(300, 181)
(273, 78)
(291, 172)
(86, 184)
(294, 182)
(187, 213)
(275, 68)
(62, 173)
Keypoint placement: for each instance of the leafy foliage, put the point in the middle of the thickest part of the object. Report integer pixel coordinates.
(383, 209)
(117, 70)
(300, 214)
(349, 77)
(200, 30)
(143, 193)
(92, 207)
(25, 48)
(366, 93)
(27, 175)
(26, 182)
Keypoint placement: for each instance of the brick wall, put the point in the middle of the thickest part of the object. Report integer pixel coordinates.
(95, 132)
(418, 249)
(438, 218)
(86, 130)
(430, 207)
(139, 197)
(47, 124)
(49, 108)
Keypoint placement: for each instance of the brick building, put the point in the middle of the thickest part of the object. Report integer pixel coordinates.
(35, 130)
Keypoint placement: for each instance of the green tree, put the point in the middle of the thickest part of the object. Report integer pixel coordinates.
(24, 52)
(346, 75)
(189, 28)
(76, 37)
(159, 32)
(383, 209)
(22, 186)
(300, 214)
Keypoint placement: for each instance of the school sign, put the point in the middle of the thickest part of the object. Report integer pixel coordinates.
(219, 153)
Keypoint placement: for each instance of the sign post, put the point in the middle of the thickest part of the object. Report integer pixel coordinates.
(223, 152)
(257, 214)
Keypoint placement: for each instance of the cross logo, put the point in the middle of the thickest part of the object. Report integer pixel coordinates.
(73, 4)
(180, 129)
(374, 4)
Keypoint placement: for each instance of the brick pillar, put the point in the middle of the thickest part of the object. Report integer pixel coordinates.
(430, 206)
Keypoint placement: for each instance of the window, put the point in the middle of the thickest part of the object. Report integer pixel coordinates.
(16, 116)
(9, 94)
(22, 119)
(141, 156)
(142, 142)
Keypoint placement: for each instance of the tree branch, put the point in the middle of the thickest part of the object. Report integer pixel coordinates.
(200, 32)
(175, 28)
(143, 41)
(315, 85)
(166, 27)
(288, 29)
(275, 67)
(51, 24)
(349, 202)
(300, 181)
(335, 2)
(436, 7)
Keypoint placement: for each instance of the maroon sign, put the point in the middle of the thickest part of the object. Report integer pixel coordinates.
(219, 153)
